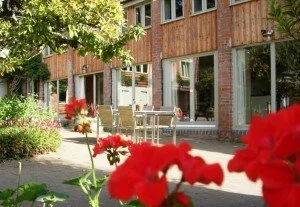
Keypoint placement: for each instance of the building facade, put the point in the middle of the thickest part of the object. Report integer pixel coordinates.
(219, 61)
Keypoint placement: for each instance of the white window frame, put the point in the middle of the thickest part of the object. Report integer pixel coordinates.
(185, 69)
(204, 7)
(234, 2)
(143, 14)
(173, 11)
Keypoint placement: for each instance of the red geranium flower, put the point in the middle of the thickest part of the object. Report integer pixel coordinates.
(75, 107)
(111, 142)
(143, 174)
(182, 199)
(272, 154)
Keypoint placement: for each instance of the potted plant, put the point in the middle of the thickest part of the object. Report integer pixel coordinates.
(143, 80)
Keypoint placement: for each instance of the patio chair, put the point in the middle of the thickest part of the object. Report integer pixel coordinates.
(106, 118)
(128, 122)
(167, 122)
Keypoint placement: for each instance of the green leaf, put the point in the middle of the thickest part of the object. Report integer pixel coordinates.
(82, 180)
(30, 191)
(134, 203)
(52, 197)
(6, 194)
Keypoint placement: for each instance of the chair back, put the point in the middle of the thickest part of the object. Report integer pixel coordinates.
(167, 120)
(126, 115)
(148, 108)
(105, 113)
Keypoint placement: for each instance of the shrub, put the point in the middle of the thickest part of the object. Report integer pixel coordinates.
(20, 142)
(20, 108)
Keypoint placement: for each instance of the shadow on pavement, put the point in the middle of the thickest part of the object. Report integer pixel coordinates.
(54, 172)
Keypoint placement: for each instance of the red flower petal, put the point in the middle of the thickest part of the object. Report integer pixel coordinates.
(152, 193)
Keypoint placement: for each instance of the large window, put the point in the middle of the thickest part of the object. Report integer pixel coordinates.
(143, 15)
(192, 86)
(203, 5)
(267, 78)
(172, 9)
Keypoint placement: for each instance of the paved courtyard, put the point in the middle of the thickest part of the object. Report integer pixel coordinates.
(72, 159)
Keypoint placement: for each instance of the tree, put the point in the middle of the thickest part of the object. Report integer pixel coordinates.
(286, 13)
(90, 26)
(33, 69)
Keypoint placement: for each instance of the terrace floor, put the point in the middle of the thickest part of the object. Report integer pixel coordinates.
(72, 159)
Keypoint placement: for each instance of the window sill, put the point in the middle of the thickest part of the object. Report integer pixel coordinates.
(237, 3)
(203, 12)
(172, 20)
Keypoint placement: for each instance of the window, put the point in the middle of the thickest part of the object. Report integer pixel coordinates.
(203, 5)
(143, 15)
(47, 51)
(172, 9)
(267, 78)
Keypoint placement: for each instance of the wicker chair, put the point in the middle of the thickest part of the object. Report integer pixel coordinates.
(128, 122)
(106, 118)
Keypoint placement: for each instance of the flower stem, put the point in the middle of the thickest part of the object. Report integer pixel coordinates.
(92, 161)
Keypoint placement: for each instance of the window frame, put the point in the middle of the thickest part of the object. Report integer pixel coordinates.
(143, 14)
(204, 7)
(235, 2)
(173, 11)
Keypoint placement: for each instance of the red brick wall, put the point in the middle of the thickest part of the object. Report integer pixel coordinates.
(156, 55)
(224, 35)
(107, 86)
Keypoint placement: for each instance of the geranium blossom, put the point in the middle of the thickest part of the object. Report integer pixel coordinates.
(111, 142)
(272, 154)
(143, 174)
(75, 107)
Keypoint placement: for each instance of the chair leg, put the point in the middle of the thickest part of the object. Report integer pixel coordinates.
(174, 136)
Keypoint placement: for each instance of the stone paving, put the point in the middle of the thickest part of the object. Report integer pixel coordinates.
(72, 159)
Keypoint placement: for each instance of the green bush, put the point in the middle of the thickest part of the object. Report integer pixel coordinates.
(21, 142)
(20, 108)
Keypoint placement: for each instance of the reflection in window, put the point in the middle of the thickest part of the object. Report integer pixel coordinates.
(203, 5)
(63, 88)
(172, 9)
(179, 8)
(204, 88)
(253, 82)
(167, 9)
(287, 73)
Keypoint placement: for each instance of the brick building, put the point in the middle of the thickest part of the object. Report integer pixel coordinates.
(220, 61)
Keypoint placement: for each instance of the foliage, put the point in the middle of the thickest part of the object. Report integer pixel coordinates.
(17, 108)
(272, 155)
(125, 79)
(93, 26)
(143, 78)
(31, 192)
(286, 14)
(26, 141)
(182, 81)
